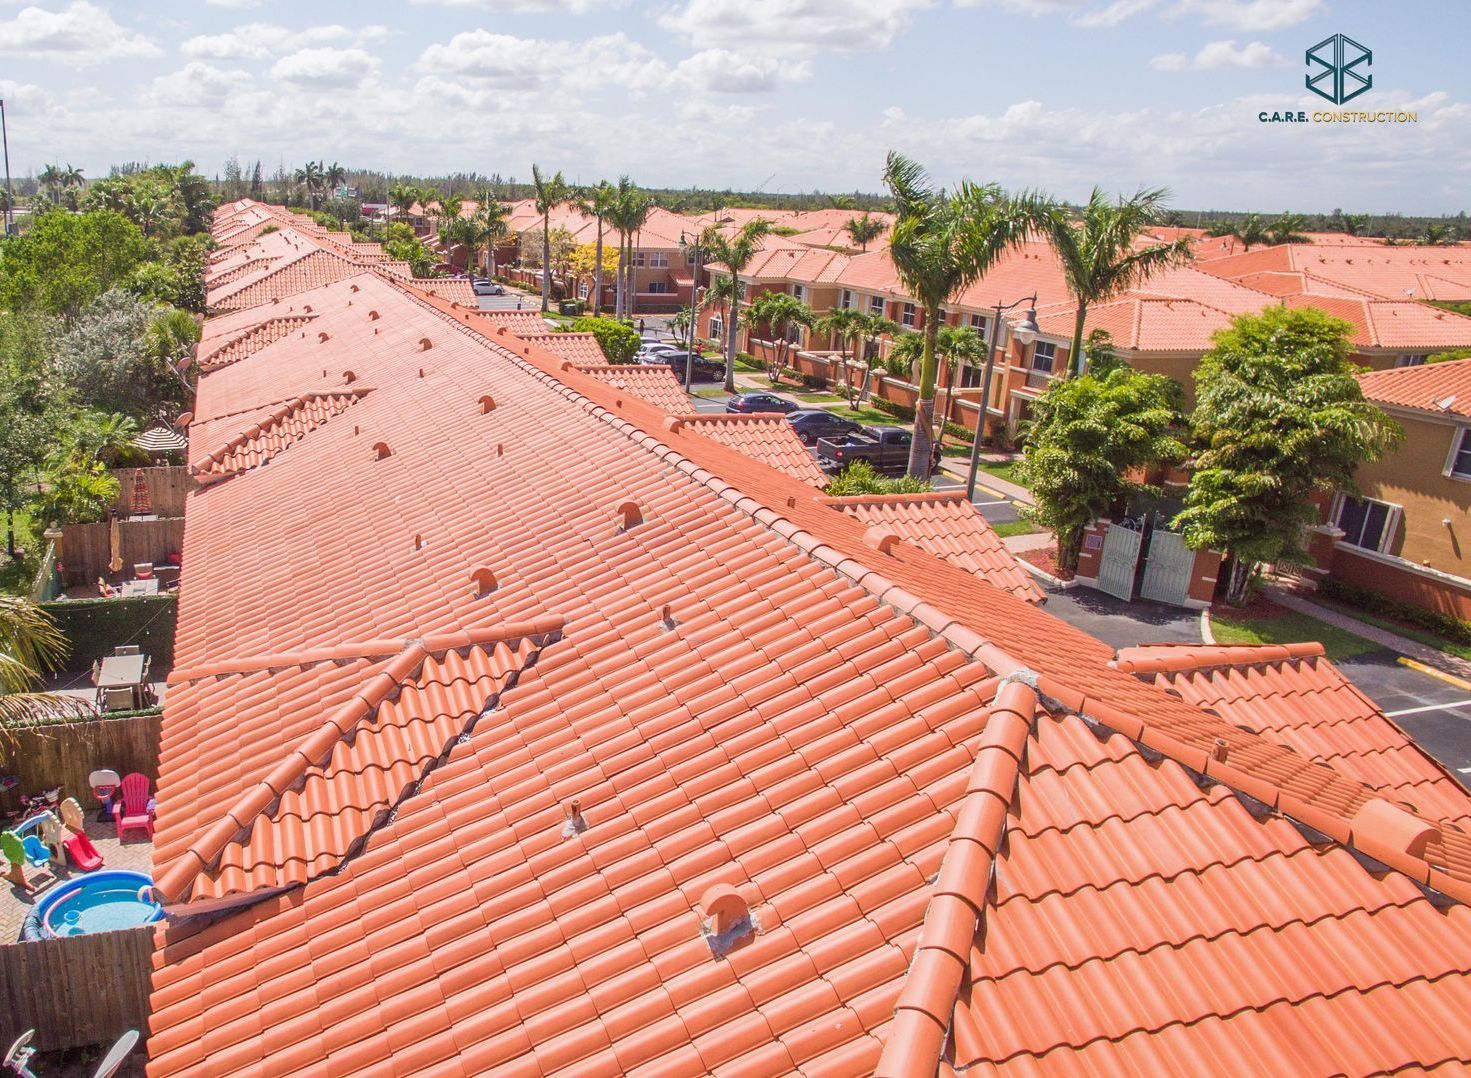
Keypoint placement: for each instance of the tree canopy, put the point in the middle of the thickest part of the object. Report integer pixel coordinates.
(619, 342)
(1279, 418)
(65, 261)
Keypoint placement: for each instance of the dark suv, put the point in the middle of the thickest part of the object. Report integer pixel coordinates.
(814, 423)
(746, 403)
(703, 370)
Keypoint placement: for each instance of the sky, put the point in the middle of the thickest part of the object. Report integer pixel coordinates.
(774, 95)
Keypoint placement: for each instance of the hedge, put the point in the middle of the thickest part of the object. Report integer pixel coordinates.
(94, 627)
(1372, 602)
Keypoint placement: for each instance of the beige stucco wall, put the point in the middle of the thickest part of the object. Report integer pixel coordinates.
(1412, 478)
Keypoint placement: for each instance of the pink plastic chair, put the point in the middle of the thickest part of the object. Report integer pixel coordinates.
(130, 807)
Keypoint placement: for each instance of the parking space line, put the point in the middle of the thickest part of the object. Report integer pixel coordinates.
(1449, 705)
(1439, 675)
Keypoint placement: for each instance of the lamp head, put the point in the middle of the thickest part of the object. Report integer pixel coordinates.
(1026, 330)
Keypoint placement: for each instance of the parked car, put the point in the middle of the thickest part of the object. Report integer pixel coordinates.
(813, 424)
(648, 349)
(481, 287)
(885, 448)
(703, 370)
(745, 403)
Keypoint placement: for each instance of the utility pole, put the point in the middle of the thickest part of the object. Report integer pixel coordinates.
(9, 193)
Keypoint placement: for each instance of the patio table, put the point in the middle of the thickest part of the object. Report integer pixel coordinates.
(132, 588)
(121, 671)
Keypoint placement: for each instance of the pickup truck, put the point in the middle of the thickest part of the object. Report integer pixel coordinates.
(885, 448)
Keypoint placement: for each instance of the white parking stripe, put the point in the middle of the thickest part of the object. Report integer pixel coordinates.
(1428, 707)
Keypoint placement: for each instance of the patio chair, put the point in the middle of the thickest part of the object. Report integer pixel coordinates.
(130, 810)
(143, 571)
(126, 649)
(119, 699)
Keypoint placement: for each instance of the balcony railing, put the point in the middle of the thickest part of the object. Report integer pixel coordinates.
(1039, 379)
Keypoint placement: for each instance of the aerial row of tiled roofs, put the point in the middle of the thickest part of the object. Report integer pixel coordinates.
(519, 727)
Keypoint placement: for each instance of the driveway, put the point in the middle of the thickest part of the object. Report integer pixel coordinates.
(1437, 714)
(1124, 625)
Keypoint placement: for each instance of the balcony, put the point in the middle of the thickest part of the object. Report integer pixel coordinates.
(1039, 379)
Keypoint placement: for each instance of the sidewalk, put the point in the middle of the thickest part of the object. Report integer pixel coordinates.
(959, 468)
(1413, 649)
(1031, 541)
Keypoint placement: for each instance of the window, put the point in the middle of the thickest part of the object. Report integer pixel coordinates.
(908, 315)
(876, 305)
(799, 292)
(582, 290)
(659, 259)
(1409, 361)
(717, 328)
(979, 323)
(638, 258)
(1365, 522)
(1460, 466)
(1043, 356)
(658, 288)
(970, 377)
(845, 299)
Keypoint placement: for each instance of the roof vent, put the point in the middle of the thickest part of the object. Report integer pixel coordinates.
(1218, 752)
(666, 618)
(500, 449)
(372, 316)
(632, 515)
(349, 377)
(352, 288)
(323, 337)
(727, 922)
(482, 582)
(487, 404)
(418, 542)
(421, 372)
(307, 308)
(425, 344)
(381, 450)
(1382, 829)
(576, 822)
(880, 538)
(791, 501)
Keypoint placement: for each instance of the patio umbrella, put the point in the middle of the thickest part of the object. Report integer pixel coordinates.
(140, 500)
(115, 543)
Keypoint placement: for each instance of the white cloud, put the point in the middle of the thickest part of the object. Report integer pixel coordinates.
(234, 3)
(197, 85)
(326, 68)
(81, 34)
(261, 40)
(1252, 16)
(724, 72)
(1220, 56)
(523, 7)
(526, 68)
(793, 26)
(1115, 13)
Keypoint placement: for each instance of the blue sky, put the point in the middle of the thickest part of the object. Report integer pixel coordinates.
(794, 95)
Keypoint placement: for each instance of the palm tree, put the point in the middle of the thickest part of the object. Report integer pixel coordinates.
(1287, 229)
(171, 338)
(309, 179)
(1250, 231)
(550, 192)
(780, 312)
(107, 439)
(735, 253)
(1353, 224)
(402, 198)
(959, 346)
(333, 176)
(844, 325)
(490, 218)
(30, 644)
(940, 243)
(51, 179)
(1437, 235)
(597, 202)
(874, 327)
(864, 230)
(631, 209)
(1102, 255)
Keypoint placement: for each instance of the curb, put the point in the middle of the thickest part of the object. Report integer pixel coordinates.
(1207, 635)
(1056, 583)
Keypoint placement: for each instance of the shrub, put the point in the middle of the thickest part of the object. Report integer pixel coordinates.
(1372, 602)
(93, 627)
(619, 342)
(860, 478)
(898, 411)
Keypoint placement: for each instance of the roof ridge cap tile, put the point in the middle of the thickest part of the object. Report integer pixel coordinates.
(925, 1008)
(1187, 657)
(921, 496)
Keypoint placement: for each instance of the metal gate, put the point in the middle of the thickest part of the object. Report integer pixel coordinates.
(1120, 561)
(1167, 568)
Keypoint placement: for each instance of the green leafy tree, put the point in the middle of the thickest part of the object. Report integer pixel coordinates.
(1086, 436)
(940, 243)
(1435, 234)
(782, 314)
(1354, 224)
(106, 359)
(734, 253)
(618, 341)
(65, 261)
(76, 492)
(1102, 253)
(492, 223)
(105, 438)
(30, 410)
(1250, 231)
(1449, 357)
(30, 645)
(401, 244)
(550, 192)
(1279, 418)
(875, 327)
(175, 276)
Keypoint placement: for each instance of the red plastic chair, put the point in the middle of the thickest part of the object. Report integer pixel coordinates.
(130, 807)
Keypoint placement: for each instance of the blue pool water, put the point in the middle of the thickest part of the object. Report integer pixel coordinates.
(102, 902)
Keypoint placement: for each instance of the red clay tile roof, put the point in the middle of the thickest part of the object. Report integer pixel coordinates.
(1394, 324)
(1370, 268)
(768, 438)
(580, 348)
(655, 384)
(961, 834)
(1327, 719)
(251, 340)
(261, 441)
(1437, 388)
(312, 268)
(949, 527)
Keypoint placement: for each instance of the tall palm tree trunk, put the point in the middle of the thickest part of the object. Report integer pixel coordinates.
(924, 409)
(1075, 355)
(618, 280)
(730, 343)
(597, 273)
(546, 263)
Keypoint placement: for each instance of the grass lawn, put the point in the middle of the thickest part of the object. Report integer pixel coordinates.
(1016, 527)
(819, 397)
(956, 449)
(865, 415)
(710, 394)
(16, 577)
(1005, 470)
(1413, 632)
(1269, 624)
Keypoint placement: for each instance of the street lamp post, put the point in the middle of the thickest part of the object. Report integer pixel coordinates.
(1024, 333)
(691, 251)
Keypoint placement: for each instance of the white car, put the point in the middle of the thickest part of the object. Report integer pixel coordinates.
(656, 349)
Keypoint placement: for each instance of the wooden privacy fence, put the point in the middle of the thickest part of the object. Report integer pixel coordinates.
(76, 991)
(167, 489)
(85, 550)
(65, 754)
